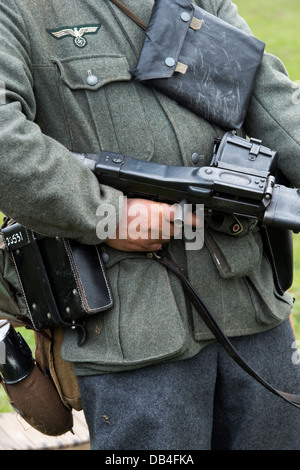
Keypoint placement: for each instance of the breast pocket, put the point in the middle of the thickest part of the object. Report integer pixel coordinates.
(103, 106)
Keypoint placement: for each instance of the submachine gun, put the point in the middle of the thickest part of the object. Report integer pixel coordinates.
(242, 179)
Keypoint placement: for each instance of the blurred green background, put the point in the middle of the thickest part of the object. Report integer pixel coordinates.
(277, 24)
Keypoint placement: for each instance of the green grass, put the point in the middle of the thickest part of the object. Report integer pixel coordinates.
(295, 290)
(277, 24)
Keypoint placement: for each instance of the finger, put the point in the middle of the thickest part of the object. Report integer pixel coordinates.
(192, 219)
(155, 247)
(169, 211)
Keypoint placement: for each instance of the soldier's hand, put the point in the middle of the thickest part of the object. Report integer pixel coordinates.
(144, 226)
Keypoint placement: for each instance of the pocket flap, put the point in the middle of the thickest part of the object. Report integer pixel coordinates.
(234, 256)
(76, 72)
(61, 280)
(164, 40)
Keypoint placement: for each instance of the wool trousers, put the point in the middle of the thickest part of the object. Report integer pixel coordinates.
(206, 402)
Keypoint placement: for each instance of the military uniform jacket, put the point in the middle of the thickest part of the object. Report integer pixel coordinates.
(52, 105)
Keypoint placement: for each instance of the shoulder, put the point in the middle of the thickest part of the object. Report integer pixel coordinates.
(207, 5)
(226, 10)
(27, 8)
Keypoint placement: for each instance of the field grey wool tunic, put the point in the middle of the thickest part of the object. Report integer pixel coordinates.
(53, 107)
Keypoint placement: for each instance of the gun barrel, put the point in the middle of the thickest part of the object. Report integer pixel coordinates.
(284, 209)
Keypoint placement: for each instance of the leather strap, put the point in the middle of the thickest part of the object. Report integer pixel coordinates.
(163, 258)
(130, 13)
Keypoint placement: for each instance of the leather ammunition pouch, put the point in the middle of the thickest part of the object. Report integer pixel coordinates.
(62, 281)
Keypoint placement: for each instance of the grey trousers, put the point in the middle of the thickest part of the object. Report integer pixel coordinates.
(203, 403)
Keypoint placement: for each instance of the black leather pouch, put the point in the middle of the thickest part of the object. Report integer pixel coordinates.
(62, 281)
(200, 61)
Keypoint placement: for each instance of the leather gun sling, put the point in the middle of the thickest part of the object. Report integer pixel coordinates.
(162, 257)
(130, 14)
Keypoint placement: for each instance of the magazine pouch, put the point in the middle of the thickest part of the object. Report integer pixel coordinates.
(200, 61)
(62, 281)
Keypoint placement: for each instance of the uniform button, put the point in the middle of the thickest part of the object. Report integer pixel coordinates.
(185, 16)
(195, 158)
(170, 62)
(105, 257)
(91, 79)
